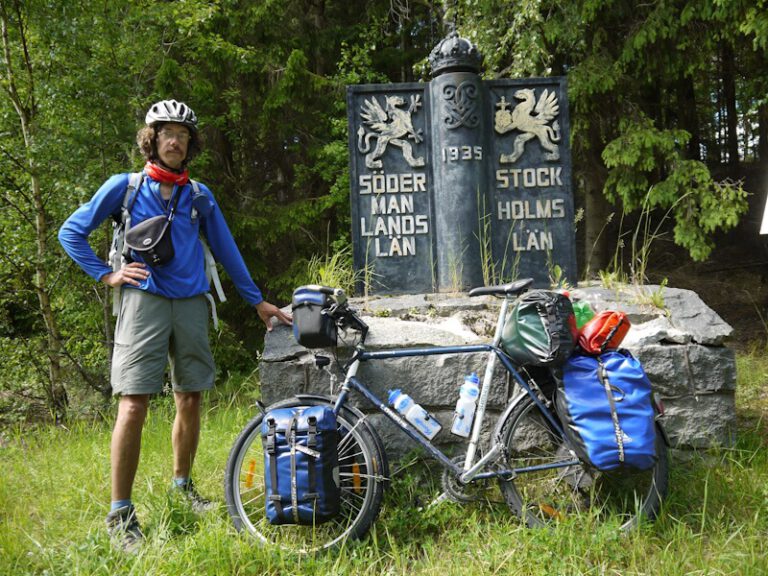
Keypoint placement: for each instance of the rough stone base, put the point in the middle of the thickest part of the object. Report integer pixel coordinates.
(682, 348)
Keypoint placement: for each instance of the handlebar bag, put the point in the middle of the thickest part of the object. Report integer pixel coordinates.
(301, 466)
(605, 405)
(605, 331)
(311, 327)
(540, 329)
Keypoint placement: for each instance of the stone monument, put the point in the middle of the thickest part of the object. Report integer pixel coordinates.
(463, 182)
(460, 182)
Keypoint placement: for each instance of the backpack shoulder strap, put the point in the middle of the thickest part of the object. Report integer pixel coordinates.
(210, 262)
(134, 182)
(211, 272)
(119, 252)
(195, 193)
(129, 199)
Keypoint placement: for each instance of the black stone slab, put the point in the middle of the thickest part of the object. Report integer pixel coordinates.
(460, 182)
(391, 187)
(459, 155)
(530, 201)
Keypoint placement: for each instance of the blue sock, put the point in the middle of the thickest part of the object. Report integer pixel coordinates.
(180, 482)
(119, 504)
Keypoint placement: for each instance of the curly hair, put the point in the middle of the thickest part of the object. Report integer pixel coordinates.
(146, 138)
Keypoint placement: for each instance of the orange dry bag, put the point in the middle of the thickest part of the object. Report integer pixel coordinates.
(604, 332)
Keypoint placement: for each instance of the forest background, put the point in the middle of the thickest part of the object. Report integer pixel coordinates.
(668, 100)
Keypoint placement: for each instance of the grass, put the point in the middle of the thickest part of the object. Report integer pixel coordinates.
(335, 269)
(54, 494)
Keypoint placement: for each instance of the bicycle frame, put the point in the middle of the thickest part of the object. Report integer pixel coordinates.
(471, 470)
(540, 476)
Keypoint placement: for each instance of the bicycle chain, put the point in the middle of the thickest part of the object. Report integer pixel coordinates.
(463, 493)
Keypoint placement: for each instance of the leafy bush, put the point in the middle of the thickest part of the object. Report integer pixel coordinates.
(649, 170)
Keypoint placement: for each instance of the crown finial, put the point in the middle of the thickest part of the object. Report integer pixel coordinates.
(454, 54)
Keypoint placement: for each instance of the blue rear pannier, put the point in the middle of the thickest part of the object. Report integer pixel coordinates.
(606, 408)
(301, 468)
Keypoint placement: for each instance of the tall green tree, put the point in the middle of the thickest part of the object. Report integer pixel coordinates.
(26, 195)
(655, 97)
(268, 81)
(70, 81)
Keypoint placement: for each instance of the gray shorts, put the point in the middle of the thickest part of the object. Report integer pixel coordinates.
(150, 331)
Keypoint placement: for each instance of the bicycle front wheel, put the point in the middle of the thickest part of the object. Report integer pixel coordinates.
(553, 494)
(362, 473)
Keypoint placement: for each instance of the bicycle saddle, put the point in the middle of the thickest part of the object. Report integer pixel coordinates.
(511, 289)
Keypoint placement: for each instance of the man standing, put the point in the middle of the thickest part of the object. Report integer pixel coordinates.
(164, 311)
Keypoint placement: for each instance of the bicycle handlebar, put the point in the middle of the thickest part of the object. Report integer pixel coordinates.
(337, 294)
(344, 316)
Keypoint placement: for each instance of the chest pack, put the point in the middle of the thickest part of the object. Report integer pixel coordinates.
(540, 330)
(605, 405)
(119, 253)
(151, 239)
(301, 468)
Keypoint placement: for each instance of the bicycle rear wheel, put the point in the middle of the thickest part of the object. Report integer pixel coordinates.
(362, 473)
(553, 494)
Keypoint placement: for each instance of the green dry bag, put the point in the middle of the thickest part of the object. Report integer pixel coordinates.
(540, 329)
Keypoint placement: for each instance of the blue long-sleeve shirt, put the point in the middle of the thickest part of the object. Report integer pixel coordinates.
(184, 276)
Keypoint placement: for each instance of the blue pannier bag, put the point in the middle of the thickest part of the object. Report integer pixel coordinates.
(301, 466)
(606, 408)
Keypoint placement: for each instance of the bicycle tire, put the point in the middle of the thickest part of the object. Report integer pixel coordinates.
(547, 496)
(363, 471)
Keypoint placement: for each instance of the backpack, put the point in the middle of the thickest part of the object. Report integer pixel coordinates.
(301, 466)
(605, 405)
(119, 252)
(540, 330)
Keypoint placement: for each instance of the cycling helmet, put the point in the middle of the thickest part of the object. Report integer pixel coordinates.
(171, 111)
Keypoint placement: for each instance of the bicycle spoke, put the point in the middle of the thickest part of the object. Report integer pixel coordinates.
(345, 496)
(254, 499)
(249, 490)
(550, 494)
(353, 456)
(350, 434)
(348, 478)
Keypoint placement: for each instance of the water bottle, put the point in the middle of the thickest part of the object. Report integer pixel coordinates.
(415, 414)
(465, 406)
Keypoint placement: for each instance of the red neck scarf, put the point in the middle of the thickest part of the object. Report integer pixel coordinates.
(160, 174)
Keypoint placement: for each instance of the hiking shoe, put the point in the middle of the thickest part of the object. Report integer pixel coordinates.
(124, 529)
(198, 504)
